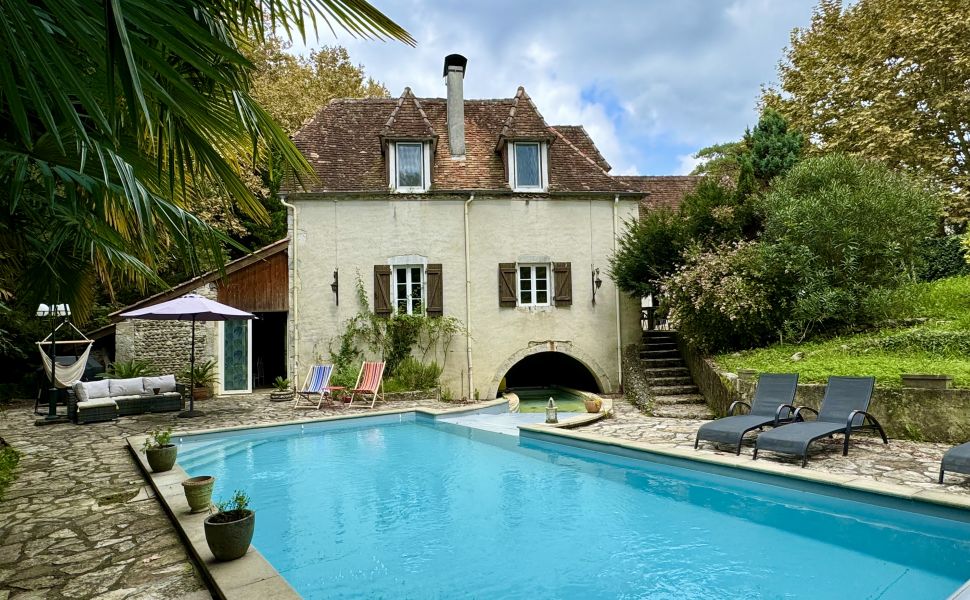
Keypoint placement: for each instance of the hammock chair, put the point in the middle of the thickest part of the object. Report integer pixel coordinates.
(65, 375)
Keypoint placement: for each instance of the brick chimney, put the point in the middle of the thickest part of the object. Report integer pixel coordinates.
(455, 73)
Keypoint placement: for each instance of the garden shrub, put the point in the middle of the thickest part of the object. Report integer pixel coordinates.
(943, 257)
(722, 298)
(648, 250)
(412, 374)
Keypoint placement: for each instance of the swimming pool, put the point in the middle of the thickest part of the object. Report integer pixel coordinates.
(402, 506)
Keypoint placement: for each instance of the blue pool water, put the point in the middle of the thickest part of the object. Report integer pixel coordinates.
(404, 507)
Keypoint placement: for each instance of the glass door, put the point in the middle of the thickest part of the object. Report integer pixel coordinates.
(236, 353)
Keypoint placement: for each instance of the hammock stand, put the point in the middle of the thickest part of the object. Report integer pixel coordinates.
(64, 376)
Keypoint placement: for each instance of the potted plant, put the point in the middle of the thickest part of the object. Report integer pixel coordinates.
(159, 450)
(229, 531)
(282, 391)
(593, 405)
(204, 376)
(198, 492)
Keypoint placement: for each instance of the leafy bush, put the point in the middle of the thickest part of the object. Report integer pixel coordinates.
(128, 368)
(411, 374)
(943, 257)
(949, 343)
(841, 229)
(648, 250)
(722, 298)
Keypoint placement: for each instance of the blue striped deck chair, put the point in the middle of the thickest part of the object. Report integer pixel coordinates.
(316, 384)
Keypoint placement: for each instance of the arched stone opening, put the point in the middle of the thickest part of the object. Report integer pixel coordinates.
(547, 369)
(567, 354)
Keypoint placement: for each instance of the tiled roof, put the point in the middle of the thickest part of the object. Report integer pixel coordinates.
(664, 190)
(577, 136)
(343, 144)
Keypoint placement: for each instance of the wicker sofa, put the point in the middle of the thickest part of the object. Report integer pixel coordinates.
(91, 401)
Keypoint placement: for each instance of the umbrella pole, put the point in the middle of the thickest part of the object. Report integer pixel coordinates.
(191, 412)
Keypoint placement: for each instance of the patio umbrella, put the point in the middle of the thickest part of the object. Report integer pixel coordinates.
(190, 307)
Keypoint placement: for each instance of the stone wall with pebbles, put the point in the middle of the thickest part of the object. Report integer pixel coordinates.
(166, 345)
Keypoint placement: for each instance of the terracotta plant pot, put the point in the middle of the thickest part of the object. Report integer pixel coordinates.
(162, 458)
(198, 492)
(201, 393)
(228, 537)
(593, 405)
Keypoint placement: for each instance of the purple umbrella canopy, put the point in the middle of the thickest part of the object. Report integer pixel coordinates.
(190, 307)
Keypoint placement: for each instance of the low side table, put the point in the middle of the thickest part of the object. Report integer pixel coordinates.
(333, 394)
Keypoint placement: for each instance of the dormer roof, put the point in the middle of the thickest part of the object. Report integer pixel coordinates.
(408, 120)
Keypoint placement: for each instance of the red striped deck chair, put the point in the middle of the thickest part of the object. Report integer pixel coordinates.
(370, 382)
(316, 384)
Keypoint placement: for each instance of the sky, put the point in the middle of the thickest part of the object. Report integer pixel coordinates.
(652, 81)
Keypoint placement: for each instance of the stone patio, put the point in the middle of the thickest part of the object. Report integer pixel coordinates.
(79, 521)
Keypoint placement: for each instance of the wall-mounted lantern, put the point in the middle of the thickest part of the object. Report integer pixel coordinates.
(596, 282)
(552, 413)
(335, 287)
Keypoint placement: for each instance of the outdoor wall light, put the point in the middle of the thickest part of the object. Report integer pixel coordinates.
(552, 413)
(335, 287)
(596, 282)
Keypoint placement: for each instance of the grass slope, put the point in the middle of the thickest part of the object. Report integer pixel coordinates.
(940, 344)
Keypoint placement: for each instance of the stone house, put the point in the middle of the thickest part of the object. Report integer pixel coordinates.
(475, 209)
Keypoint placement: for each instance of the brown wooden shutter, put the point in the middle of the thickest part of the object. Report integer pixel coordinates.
(563, 276)
(506, 284)
(435, 305)
(382, 290)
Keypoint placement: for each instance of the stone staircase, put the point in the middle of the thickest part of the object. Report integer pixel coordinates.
(673, 392)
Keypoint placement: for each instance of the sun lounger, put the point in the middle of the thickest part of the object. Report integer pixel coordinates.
(956, 459)
(772, 405)
(843, 411)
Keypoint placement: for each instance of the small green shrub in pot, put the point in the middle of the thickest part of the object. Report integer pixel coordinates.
(125, 369)
(281, 390)
(229, 531)
(159, 450)
(204, 376)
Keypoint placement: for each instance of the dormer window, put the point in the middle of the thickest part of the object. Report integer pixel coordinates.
(409, 167)
(527, 167)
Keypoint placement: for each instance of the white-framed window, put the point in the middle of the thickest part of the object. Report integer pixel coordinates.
(409, 167)
(408, 289)
(535, 281)
(528, 166)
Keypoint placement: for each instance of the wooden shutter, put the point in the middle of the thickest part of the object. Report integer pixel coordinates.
(563, 278)
(435, 305)
(382, 290)
(506, 284)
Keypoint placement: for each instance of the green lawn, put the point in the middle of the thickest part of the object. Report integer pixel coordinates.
(940, 344)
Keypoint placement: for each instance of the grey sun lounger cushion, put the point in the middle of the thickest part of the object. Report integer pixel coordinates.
(956, 459)
(774, 391)
(843, 411)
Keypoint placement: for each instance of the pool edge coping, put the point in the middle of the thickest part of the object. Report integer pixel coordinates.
(852, 482)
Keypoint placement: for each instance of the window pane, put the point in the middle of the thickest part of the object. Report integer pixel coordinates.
(527, 165)
(401, 275)
(402, 305)
(525, 297)
(542, 297)
(541, 284)
(525, 272)
(402, 291)
(409, 165)
(540, 272)
(416, 274)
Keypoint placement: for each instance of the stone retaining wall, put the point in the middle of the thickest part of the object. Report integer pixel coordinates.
(718, 389)
(635, 386)
(924, 415)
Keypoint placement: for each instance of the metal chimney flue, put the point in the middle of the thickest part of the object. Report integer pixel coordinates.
(455, 73)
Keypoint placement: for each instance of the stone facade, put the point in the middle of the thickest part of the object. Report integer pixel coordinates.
(166, 345)
(351, 235)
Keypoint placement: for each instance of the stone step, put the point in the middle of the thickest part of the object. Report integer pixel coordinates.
(661, 372)
(687, 398)
(682, 411)
(659, 346)
(674, 390)
(659, 354)
(655, 363)
(659, 336)
(670, 380)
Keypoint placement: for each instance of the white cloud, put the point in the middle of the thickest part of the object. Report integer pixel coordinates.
(687, 162)
(670, 77)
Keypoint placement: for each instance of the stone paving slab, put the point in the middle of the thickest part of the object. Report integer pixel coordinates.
(80, 522)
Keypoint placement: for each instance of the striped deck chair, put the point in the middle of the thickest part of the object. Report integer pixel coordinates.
(317, 384)
(370, 382)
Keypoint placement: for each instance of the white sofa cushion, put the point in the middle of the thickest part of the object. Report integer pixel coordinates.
(97, 403)
(91, 390)
(165, 383)
(133, 386)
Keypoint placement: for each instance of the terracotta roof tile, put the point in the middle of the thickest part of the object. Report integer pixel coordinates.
(664, 190)
(342, 143)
